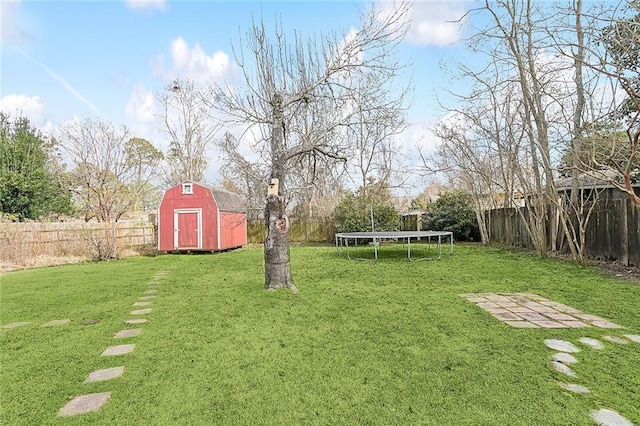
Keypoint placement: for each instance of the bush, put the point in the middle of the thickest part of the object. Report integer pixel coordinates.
(353, 214)
(453, 212)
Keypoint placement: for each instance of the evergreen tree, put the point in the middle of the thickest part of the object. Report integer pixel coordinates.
(29, 184)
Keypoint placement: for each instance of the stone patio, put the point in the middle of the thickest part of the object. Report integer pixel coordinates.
(527, 310)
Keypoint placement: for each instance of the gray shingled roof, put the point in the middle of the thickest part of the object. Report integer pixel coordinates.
(229, 201)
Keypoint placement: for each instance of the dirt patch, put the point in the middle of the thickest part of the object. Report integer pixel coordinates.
(615, 269)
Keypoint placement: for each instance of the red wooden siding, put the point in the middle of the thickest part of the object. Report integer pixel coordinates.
(191, 221)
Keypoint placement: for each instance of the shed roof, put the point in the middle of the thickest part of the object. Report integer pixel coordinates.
(229, 201)
(595, 179)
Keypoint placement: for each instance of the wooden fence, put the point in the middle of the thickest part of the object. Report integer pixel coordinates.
(23, 242)
(300, 231)
(612, 233)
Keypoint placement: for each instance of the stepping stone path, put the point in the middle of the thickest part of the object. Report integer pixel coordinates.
(93, 402)
(134, 332)
(561, 359)
(56, 322)
(15, 325)
(118, 350)
(106, 374)
(84, 404)
(593, 343)
(565, 358)
(527, 310)
(564, 369)
(561, 345)
(606, 417)
(572, 387)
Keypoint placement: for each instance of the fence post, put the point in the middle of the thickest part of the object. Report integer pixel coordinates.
(625, 232)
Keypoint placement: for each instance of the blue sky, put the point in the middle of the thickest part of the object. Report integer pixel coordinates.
(104, 59)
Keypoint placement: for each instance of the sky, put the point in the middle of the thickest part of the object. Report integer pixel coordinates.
(104, 60)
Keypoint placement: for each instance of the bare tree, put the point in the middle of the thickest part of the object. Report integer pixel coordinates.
(108, 177)
(529, 104)
(286, 81)
(188, 123)
(620, 61)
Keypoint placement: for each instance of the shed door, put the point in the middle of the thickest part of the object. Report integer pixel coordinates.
(188, 229)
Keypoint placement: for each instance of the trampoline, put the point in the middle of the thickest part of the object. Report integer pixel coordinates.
(438, 237)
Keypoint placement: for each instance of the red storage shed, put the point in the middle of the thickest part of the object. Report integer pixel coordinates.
(193, 217)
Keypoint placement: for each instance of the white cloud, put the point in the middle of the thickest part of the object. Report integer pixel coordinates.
(11, 28)
(146, 5)
(20, 105)
(193, 62)
(141, 106)
(436, 23)
(141, 116)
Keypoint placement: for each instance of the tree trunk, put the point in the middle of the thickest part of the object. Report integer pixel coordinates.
(277, 263)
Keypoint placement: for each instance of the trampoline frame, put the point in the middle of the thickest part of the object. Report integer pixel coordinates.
(342, 241)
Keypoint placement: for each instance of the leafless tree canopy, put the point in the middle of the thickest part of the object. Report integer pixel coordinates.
(111, 172)
(548, 82)
(303, 103)
(191, 130)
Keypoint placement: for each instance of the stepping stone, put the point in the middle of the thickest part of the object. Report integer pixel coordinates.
(565, 358)
(606, 417)
(574, 388)
(560, 317)
(521, 310)
(106, 374)
(588, 317)
(141, 303)
(616, 339)
(15, 325)
(127, 333)
(532, 316)
(605, 324)
(151, 291)
(147, 297)
(141, 311)
(633, 337)
(561, 345)
(488, 305)
(136, 321)
(575, 324)
(564, 369)
(549, 324)
(56, 322)
(521, 324)
(593, 343)
(506, 316)
(118, 350)
(508, 304)
(84, 404)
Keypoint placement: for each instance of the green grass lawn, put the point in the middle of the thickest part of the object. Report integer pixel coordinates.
(362, 343)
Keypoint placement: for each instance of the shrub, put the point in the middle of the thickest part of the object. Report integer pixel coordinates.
(453, 212)
(353, 214)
